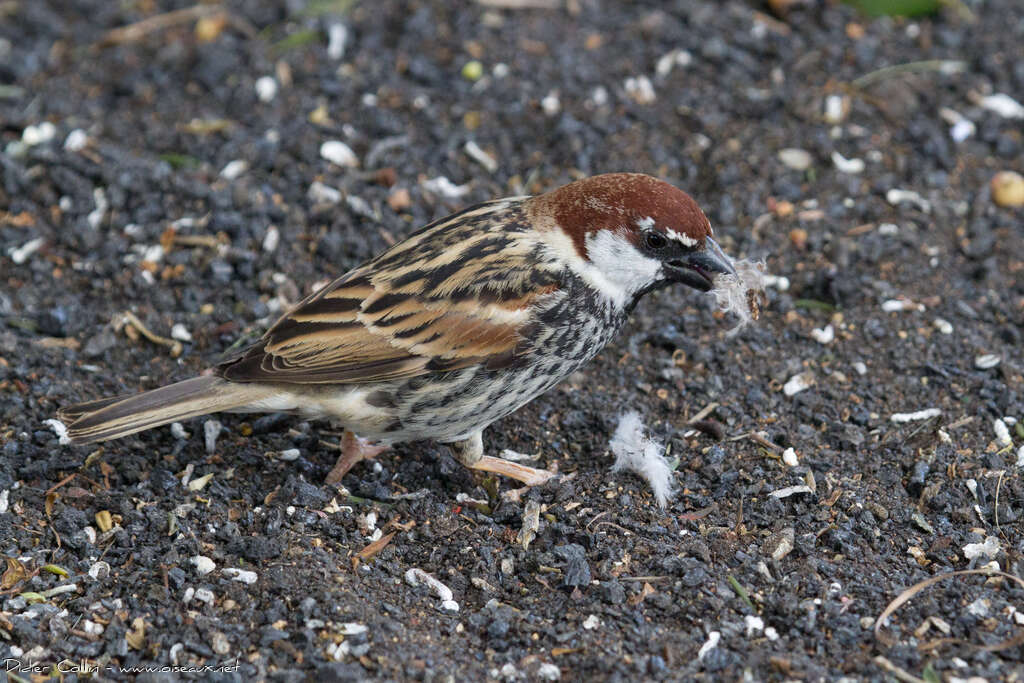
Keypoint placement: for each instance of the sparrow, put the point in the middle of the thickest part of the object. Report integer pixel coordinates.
(460, 324)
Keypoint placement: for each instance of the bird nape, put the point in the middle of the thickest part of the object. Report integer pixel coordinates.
(453, 328)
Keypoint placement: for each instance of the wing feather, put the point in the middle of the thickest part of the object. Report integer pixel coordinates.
(456, 294)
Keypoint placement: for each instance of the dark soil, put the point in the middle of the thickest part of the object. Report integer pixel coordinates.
(613, 587)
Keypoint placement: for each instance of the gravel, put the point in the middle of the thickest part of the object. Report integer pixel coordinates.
(172, 176)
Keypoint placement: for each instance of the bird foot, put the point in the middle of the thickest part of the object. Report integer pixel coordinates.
(353, 450)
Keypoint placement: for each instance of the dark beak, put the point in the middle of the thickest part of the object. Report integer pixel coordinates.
(699, 269)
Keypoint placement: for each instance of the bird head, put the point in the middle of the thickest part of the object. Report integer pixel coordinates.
(631, 233)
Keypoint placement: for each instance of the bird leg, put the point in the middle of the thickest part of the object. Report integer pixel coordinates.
(471, 454)
(353, 450)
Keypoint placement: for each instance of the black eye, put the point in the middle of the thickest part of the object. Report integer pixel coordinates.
(654, 240)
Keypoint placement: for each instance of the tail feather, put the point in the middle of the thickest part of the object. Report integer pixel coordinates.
(116, 417)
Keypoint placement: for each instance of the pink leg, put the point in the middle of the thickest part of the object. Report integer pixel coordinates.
(353, 450)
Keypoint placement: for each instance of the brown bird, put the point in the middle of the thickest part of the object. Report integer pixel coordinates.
(455, 327)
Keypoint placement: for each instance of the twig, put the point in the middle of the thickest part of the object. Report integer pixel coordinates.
(140, 29)
(173, 344)
(899, 673)
(946, 66)
(758, 439)
(704, 412)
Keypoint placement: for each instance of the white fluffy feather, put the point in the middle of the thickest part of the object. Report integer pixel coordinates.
(636, 452)
(731, 291)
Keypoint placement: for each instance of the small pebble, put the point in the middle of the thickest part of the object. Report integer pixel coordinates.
(987, 361)
(825, 335)
(668, 61)
(289, 455)
(790, 491)
(472, 70)
(836, 109)
(1008, 189)
(896, 196)
(234, 169)
(266, 88)
(961, 130)
(1004, 105)
(592, 622)
(178, 431)
(848, 166)
(38, 134)
(779, 282)
(1019, 463)
(21, 254)
(242, 575)
(988, 549)
(896, 305)
(76, 140)
(1002, 433)
(338, 153)
(709, 645)
(99, 570)
(798, 383)
(320, 193)
(204, 595)
(444, 187)
(180, 332)
(795, 158)
(860, 368)
(789, 457)
(754, 625)
(271, 239)
(640, 89)
(943, 325)
(5, 500)
(337, 40)
(551, 105)
(549, 672)
(211, 430)
(477, 154)
(203, 564)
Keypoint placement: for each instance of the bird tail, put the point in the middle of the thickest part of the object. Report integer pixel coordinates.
(112, 418)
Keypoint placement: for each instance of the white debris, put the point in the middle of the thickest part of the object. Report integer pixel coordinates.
(825, 335)
(1004, 105)
(549, 672)
(211, 430)
(5, 499)
(779, 282)
(95, 216)
(319, 193)
(896, 305)
(860, 368)
(20, 254)
(99, 570)
(1002, 433)
(926, 414)
(943, 325)
(961, 130)
(888, 229)
(1020, 463)
(798, 383)
(636, 452)
(234, 169)
(337, 40)
(710, 644)
(180, 332)
(738, 293)
(271, 239)
(203, 564)
(351, 628)
(790, 491)
(640, 89)
(592, 622)
(599, 96)
(38, 134)
(896, 196)
(754, 624)
(795, 158)
(444, 187)
(789, 457)
(551, 105)
(337, 152)
(178, 431)
(844, 165)
(289, 455)
(243, 575)
(979, 608)
(500, 70)
(516, 456)
(60, 430)
(987, 361)
(92, 628)
(477, 154)
(415, 576)
(76, 140)
(204, 595)
(771, 633)
(360, 206)
(266, 88)
(672, 59)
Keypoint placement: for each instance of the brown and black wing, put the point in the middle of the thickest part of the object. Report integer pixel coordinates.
(457, 294)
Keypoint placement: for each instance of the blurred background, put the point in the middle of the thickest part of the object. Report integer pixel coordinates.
(203, 166)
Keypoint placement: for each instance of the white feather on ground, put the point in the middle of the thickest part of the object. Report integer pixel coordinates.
(636, 452)
(734, 293)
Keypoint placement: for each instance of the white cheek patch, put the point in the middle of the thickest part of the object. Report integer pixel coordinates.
(621, 264)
